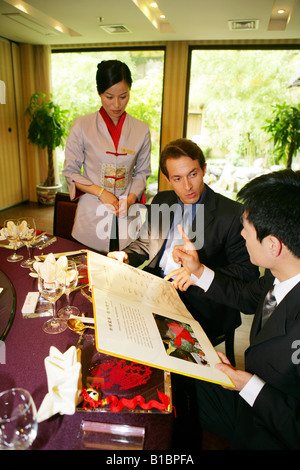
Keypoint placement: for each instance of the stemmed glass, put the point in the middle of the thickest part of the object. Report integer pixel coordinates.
(11, 232)
(71, 282)
(27, 233)
(18, 419)
(52, 289)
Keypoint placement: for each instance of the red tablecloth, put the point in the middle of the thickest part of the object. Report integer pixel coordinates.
(26, 347)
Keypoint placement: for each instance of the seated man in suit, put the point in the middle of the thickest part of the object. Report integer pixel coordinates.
(265, 414)
(216, 231)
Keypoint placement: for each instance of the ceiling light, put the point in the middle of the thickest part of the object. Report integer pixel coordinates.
(154, 15)
(281, 14)
(21, 8)
(28, 23)
(38, 19)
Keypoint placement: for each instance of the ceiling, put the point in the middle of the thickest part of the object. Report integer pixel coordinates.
(65, 22)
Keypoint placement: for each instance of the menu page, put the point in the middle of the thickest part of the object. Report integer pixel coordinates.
(134, 322)
(134, 284)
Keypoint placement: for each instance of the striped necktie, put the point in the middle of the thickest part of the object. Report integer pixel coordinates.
(268, 307)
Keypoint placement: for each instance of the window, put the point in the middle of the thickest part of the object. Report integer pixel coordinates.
(74, 88)
(231, 94)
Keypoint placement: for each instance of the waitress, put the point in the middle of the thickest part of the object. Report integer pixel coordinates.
(107, 163)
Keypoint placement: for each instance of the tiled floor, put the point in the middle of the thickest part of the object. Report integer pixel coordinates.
(44, 219)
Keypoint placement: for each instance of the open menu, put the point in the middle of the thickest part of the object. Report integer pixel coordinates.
(140, 317)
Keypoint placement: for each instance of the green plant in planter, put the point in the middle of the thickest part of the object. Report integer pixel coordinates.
(47, 128)
(285, 130)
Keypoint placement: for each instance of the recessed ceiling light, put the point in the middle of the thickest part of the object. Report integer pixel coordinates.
(21, 7)
(38, 18)
(281, 11)
(154, 15)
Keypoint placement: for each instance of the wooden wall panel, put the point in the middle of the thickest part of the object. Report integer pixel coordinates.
(10, 174)
(35, 67)
(174, 96)
(17, 71)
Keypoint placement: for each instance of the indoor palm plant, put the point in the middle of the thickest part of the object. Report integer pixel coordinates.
(47, 129)
(285, 130)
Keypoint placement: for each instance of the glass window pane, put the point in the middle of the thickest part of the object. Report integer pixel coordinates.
(231, 95)
(74, 88)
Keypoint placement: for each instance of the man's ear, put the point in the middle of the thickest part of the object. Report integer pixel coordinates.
(275, 246)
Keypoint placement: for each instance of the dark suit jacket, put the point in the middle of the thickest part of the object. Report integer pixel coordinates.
(274, 420)
(223, 250)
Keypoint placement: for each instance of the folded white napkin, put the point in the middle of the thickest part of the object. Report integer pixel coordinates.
(64, 383)
(51, 268)
(11, 231)
(25, 233)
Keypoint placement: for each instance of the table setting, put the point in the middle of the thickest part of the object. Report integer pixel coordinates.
(63, 371)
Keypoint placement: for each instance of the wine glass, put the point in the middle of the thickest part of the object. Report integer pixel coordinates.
(27, 233)
(18, 419)
(52, 289)
(71, 282)
(11, 232)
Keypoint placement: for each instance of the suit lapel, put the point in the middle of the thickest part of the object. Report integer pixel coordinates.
(276, 325)
(170, 198)
(158, 239)
(256, 325)
(209, 203)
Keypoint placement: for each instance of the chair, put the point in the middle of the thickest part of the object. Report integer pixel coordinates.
(229, 344)
(64, 214)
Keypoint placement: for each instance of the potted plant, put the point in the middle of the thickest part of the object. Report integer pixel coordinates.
(285, 130)
(47, 129)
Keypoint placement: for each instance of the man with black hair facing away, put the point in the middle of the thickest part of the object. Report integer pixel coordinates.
(265, 413)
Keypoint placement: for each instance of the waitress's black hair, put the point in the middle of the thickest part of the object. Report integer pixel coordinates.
(110, 72)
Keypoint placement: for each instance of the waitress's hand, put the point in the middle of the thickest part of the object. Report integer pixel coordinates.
(110, 201)
(125, 203)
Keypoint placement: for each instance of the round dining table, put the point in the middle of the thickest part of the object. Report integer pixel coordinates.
(24, 347)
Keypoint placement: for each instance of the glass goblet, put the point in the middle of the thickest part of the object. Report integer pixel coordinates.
(11, 231)
(27, 234)
(52, 290)
(18, 419)
(71, 282)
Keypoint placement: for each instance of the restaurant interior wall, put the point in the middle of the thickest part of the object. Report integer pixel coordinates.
(31, 74)
(25, 69)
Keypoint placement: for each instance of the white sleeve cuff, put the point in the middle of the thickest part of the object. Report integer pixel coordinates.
(205, 280)
(252, 389)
